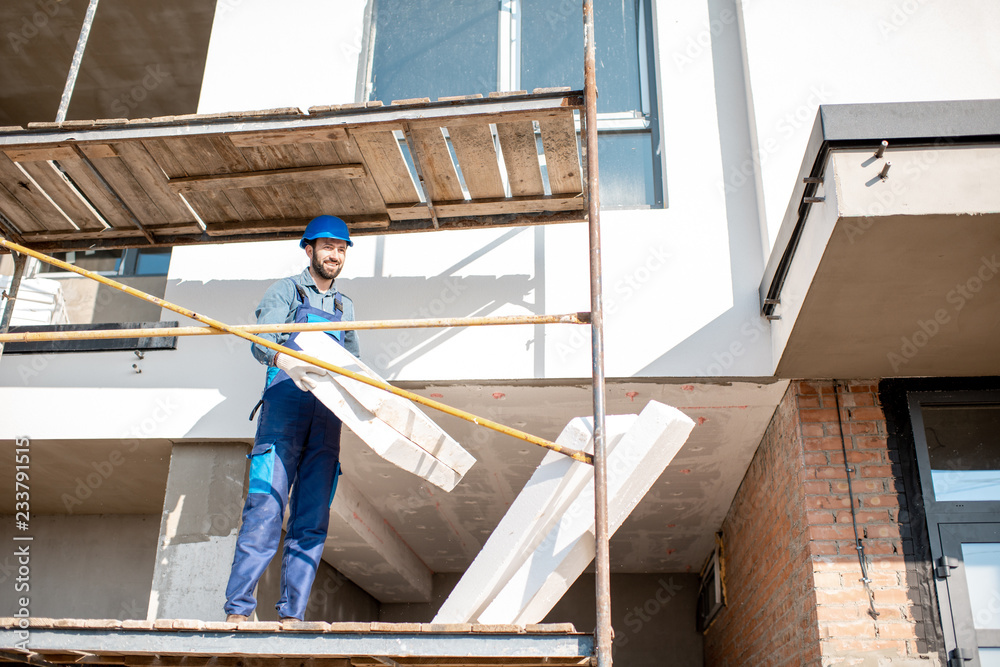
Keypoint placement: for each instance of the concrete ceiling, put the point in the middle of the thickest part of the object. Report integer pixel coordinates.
(909, 299)
(144, 58)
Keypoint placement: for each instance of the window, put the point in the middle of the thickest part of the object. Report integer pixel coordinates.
(130, 262)
(463, 47)
(957, 438)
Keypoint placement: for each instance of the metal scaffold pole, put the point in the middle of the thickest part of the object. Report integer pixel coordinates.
(603, 634)
(20, 260)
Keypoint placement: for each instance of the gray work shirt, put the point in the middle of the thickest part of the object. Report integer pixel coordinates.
(278, 306)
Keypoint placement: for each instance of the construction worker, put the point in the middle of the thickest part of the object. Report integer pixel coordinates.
(298, 438)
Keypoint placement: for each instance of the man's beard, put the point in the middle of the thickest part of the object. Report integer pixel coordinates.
(320, 269)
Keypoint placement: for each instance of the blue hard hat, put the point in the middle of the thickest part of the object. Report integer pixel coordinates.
(326, 227)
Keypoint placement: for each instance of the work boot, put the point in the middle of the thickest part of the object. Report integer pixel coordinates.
(236, 618)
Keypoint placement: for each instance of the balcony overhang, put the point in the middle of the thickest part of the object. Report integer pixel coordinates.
(886, 263)
(414, 165)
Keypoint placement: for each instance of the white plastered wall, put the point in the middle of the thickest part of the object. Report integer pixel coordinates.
(801, 55)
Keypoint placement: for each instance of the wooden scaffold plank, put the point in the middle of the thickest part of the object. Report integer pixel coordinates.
(477, 158)
(562, 156)
(520, 154)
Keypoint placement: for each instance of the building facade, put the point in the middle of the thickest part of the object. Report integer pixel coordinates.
(820, 304)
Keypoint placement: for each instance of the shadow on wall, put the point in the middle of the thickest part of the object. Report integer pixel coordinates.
(389, 351)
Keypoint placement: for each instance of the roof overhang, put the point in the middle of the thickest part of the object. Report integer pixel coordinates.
(410, 166)
(885, 261)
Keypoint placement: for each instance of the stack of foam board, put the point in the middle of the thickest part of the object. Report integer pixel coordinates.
(395, 428)
(546, 539)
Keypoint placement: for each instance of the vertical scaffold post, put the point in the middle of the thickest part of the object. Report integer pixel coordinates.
(74, 67)
(603, 556)
(20, 260)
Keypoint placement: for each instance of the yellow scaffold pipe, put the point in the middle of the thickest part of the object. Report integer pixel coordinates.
(215, 324)
(160, 332)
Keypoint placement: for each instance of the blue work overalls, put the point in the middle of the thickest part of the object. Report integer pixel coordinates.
(297, 442)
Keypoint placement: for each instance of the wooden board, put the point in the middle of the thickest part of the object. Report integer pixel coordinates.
(236, 162)
(21, 188)
(254, 179)
(562, 157)
(500, 206)
(520, 155)
(153, 181)
(477, 158)
(387, 166)
(435, 165)
(58, 188)
(189, 156)
(118, 176)
(361, 197)
(97, 192)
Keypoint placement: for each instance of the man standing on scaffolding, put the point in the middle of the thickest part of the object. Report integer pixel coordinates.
(298, 438)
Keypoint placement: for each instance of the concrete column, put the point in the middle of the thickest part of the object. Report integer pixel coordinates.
(201, 515)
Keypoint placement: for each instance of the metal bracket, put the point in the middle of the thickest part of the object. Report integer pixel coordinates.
(944, 565)
(959, 656)
(813, 200)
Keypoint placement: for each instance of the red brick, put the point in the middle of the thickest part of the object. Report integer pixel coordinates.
(827, 502)
(820, 518)
(818, 415)
(815, 459)
(863, 517)
(867, 414)
(897, 630)
(888, 531)
(875, 471)
(830, 472)
(827, 613)
(834, 532)
(812, 430)
(855, 456)
(891, 502)
(841, 597)
(862, 628)
(814, 487)
(823, 548)
(821, 444)
(854, 647)
(810, 401)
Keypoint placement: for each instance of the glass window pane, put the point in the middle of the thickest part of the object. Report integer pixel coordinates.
(552, 49)
(963, 443)
(989, 657)
(625, 161)
(153, 262)
(982, 574)
(91, 260)
(434, 48)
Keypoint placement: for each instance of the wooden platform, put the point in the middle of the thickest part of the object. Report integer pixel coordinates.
(511, 159)
(188, 643)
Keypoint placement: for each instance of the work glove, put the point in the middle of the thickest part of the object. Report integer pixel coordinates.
(303, 374)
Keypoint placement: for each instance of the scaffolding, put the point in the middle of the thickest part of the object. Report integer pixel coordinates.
(143, 183)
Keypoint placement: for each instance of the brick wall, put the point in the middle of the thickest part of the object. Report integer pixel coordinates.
(794, 595)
